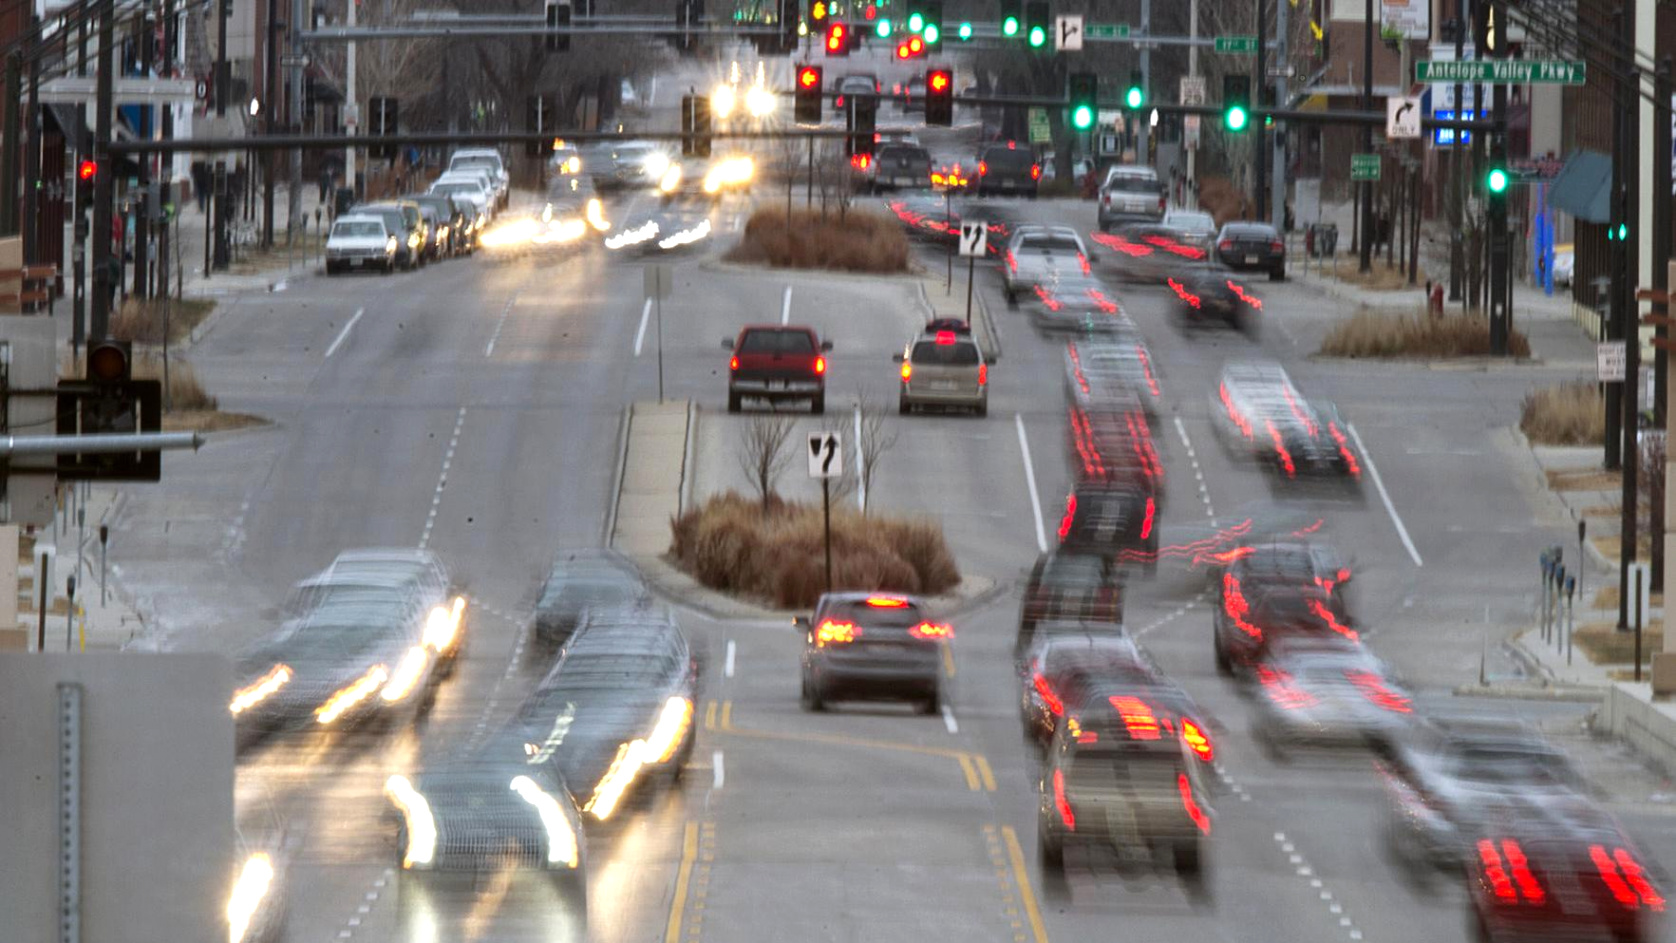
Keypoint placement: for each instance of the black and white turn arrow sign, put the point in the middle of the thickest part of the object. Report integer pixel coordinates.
(826, 455)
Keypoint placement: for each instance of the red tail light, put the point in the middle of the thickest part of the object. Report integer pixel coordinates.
(1070, 516)
(1235, 604)
(930, 631)
(1083, 260)
(1137, 715)
(1192, 805)
(862, 161)
(1277, 246)
(1185, 295)
(1350, 462)
(945, 337)
(983, 374)
(887, 602)
(983, 168)
(1373, 688)
(1049, 698)
(1234, 414)
(1146, 522)
(1529, 887)
(1522, 885)
(733, 363)
(1062, 803)
(1035, 171)
(820, 364)
(1280, 451)
(1280, 689)
(1626, 879)
(907, 371)
(1326, 615)
(835, 633)
(1496, 874)
(1196, 740)
(1225, 245)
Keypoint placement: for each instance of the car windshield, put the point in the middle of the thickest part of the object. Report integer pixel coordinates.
(1191, 222)
(1048, 243)
(937, 354)
(357, 229)
(884, 616)
(1002, 157)
(777, 342)
(1135, 184)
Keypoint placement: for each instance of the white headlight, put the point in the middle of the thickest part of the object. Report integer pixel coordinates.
(421, 826)
(561, 838)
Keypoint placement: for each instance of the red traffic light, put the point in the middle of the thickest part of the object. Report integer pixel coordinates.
(902, 51)
(809, 77)
(107, 362)
(916, 46)
(87, 170)
(937, 80)
(836, 37)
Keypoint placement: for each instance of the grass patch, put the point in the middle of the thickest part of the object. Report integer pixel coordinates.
(141, 321)
(1584, 479)
(1607, 544)
(1380, 277)
(1367, 334)
(732, 544)
(857, 241)
(1564, 414)
(1607, 597)
(1605, 645)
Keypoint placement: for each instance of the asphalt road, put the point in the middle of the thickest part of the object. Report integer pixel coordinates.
(474, 408)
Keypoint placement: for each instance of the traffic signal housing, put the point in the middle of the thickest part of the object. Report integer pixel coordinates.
(939, 98)
(1496, 181)
(1084, 90)
(88, 170)
(385, 122)
(837, 39)
(861, 112)
(1037, 29)
(1012, 20)
(558, 18)
(108, 400)
(807, 97)
(1135, 96)
(932, 29)
(1236, 102)
(695, 125)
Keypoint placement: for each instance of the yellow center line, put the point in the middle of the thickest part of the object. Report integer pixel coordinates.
(970, 771)
(948, 660)
(1022, 877)
(727, 715)
(689, 853)
(710, 715)
(984, 771)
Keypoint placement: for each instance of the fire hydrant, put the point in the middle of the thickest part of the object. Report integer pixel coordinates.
(1436, 301)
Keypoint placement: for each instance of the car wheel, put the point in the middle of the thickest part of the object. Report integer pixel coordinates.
(902, 407)
(331, 269)
(1049, 852)
(817, 405)
(1190, 865)
(1277, 274)
(733, 400)
(811, 699)
(1224, 667)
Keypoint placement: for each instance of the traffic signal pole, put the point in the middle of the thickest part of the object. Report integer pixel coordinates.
(1259, 154)
(1629, 325)
(1365, 263)
(1277, 171)
(103, 193)
(1144, 150)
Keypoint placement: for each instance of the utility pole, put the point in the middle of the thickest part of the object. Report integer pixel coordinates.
(352, 107)
(79, 225)
(142, 206)
(270, 108)
(1192, 190)
(165, 164)
(1661, 305)
(13, 145)
(1612, 327)
(104, 194)
(294, 118)
(32, 156)
(1277, 186)
(221, 77)
(1365, 264)
(1457, 250)
(1259, 153)
(1501, 283)
(1629, 149)
(1144, 138)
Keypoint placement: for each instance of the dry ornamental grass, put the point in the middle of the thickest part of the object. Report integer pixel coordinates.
(732, 544)
(1567, 414)
(1384, 336)
(857, 241)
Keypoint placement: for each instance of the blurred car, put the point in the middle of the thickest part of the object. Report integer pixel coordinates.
(874, 646)
(1551, 881)
(410, 240)
(895, 166)
(1061, 649)
(472, 221)
(1116, 778)
(1037, 254)
(1070, 302)
(360, 242)
(944, 368)
(1196, 227)
(1326, 698)
(574, 209)
(582, 580)
(1007, 168)
(1115, 519)
(368, 640)
(732, 173)
(1066, 585)
(1565, 264)
(1256, 566)
(491, 812)
(257, 906)
(1130, 193)
(1260, 413)
(631, 165)
(436, 231)
(487, 160)
(1211, 294)
(1106, 367)
(1251, 620)
(616, 710)
(1252, 246)
(1151, 252)
(451, 235)
(777, 362)
(1111, 442)
(853, 84)
(469, 188)
(566, 159)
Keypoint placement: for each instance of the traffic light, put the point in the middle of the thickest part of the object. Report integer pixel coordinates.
(1084, 91)
(965, 32)
(807, 97)
(910, 48)
(932, 31)
(1236, 101)
(818, 12)
(1618, 233)
(1496, 181)
(695, 125)
(861, 113)
(1487, 35)
(1135, 96)
(108, 400)
(87, 170)
(882, 28)
(688, 13)
(939, 98)
(916, 21)
(837, 39)
(1037, 29)
(558, 18)
(1011, 21)
(538, 118)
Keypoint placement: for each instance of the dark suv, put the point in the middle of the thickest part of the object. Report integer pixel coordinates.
(1008, 168)
(774, 363)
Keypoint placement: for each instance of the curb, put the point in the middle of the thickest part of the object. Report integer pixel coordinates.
(623, 423)
(1511, 691)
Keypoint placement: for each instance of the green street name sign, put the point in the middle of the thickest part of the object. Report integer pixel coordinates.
(1501, 71)
(1364, 166)
(1105, 31)
(1240, 44)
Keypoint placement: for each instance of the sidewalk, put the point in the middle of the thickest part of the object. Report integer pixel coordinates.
(101, 620)
(190, 235)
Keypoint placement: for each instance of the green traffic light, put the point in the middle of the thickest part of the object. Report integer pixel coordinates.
(915, 23)
(1236, 118)
(1009, 26)
(1134, 97)
(1496, 180)
(883, 29)
(1038, 37)
(932, 33)
(1082, 117)
(965, 32)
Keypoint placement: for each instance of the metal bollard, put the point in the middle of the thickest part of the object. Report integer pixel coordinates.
(1559, 585)
(69, 612)
(1571, 585)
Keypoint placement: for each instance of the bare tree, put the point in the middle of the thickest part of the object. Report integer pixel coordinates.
(763, 453)
(878, 436)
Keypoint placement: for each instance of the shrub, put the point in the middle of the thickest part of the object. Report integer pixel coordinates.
(1367, 334)
(733, 545)
(184, 392)
(1566, 414)
(141, 320)
(1221, 199)
(856, 241)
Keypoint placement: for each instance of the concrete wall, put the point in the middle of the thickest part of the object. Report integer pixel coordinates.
(1629, 714)
(157, 795)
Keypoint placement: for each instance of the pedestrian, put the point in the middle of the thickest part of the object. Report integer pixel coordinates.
(201, 184)
(326, 178)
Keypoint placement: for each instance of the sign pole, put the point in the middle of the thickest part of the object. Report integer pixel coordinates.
(660, 347)
(826, 515)
(971, 267)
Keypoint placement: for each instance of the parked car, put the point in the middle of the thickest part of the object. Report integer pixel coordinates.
(409, 243)
(360, 242)
(486, 159)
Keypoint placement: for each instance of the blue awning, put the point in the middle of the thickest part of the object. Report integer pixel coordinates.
(1583, 187)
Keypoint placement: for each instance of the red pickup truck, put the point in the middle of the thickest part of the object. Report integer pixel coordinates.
(775, 362)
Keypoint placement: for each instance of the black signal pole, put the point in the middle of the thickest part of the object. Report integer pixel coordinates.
(1611, 327)
(1366, 262)
(1261, 84)
(1629, 327)
(103, 193)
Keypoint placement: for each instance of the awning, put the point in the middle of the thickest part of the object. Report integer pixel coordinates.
(1583, 187)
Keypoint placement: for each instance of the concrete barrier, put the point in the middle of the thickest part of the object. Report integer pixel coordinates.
(1630, 714)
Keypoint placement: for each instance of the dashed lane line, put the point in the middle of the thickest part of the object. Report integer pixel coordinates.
(442, 480)
(343, 335)
(489, 349)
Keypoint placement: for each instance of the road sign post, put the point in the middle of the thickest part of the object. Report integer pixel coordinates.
(826, 462)
(974, 242)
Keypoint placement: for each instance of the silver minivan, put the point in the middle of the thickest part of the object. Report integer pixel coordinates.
(944, 367)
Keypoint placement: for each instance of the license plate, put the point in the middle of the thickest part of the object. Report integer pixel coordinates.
(776, 384)
(943, 384)
(1250, 260)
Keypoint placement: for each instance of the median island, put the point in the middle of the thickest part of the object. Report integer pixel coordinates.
(850, 240)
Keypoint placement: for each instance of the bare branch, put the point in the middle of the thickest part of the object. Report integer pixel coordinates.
(762, 451)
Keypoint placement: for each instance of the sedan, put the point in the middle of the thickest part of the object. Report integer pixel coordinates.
(876, 646)
(1252, 246)
(1210, 294)
(1327, 698)
(583, 580)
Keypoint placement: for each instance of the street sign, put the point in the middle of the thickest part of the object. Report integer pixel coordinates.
(1237, 44)
(974, 238)
(1040, 131)
(1106, 31)
(1068, 36)
(1108, 143)
(657, 281)
(1364, 166)
(1190, 131)
(1501, 71)
(1402, 117)
(1609, 362)
(826, 455)
(1192, 90)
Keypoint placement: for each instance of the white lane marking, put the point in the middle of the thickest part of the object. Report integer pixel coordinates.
(640, 335)
(1030, 481)
(1181, 430)
(948, 719)
(343, 335)
(442, 480)
(490, 348)
(785, 306)
(721, 770)
(860, 481)
(1384, 495)
(1198, 473)
(727, 666)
